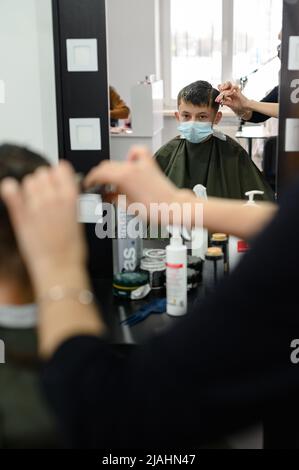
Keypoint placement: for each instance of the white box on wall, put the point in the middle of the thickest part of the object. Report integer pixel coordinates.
(85, 134)
(82, 55)
(292, 135)
(294, 53)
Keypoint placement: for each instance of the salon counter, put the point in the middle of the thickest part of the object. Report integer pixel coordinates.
(116, 310)
(120, 144)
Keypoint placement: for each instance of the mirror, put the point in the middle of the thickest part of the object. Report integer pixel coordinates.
(27, 76)
(153, 43)
(48, 107)
(162, 38)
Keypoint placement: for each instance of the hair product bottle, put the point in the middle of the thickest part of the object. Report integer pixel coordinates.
(213, 269)
(176, 276)
(200, 235)
(127, 249)
(237, 247)
(220, 240)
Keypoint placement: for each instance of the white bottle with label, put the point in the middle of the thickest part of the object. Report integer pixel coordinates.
(200, 236)
(176, 277)
(237, 247)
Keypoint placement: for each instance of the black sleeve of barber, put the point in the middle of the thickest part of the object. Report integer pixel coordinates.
(272, 97)
(226, 366)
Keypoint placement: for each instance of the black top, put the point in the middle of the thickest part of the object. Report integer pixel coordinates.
(225, 366)
(272, 97)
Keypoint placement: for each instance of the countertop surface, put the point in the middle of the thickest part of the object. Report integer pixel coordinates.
(115, 310)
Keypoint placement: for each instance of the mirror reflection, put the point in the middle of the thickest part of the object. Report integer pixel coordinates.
(228, 142)
(97, 257)
(27, 76)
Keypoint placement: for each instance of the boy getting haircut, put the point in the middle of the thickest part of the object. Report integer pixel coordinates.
(201, 155)
(199, 93)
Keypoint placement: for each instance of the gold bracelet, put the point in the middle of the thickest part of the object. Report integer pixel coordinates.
(60, 293)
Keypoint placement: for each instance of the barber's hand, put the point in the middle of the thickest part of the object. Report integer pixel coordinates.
(226, 86)
(231, 96)
(139, 178)
(43, 211)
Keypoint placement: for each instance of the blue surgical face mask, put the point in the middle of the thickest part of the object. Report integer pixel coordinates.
(196, 132)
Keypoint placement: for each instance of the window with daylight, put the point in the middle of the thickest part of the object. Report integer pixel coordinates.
(220, 40)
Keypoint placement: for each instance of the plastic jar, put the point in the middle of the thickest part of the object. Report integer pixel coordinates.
(125, 284)
(156, 270)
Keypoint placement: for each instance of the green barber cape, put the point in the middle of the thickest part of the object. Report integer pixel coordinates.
(25, 419)
(220, 164)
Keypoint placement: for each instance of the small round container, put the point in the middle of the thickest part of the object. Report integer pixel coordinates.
(154, 254)
(213, 269)
(126, 283)
(220, 240)
(214, 254)
(156, 271)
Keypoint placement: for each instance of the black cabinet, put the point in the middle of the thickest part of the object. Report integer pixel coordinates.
(83, 95)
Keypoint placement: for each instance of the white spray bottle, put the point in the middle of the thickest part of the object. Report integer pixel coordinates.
(200, 236)
(237, 247)
(176, 275)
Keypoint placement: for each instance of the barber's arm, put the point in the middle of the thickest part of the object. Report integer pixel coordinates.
(269, 109)
(141, 180)
(245, 108)
(272, 97)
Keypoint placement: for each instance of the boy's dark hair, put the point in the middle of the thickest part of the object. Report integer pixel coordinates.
(16, 162)
(200, 93)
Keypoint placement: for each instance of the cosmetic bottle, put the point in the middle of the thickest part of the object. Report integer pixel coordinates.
(200, 235)
(238, 247)
(220, 240)
(213, 269)
(128, 250)
(176, 276)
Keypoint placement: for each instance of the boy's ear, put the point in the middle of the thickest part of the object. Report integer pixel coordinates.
(218, 118)
(177, 116)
